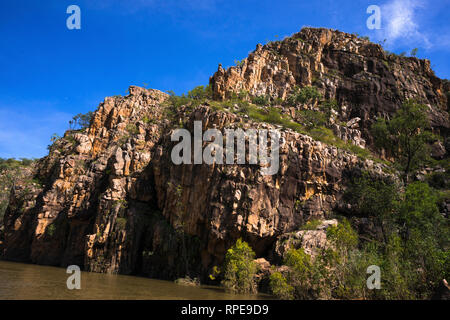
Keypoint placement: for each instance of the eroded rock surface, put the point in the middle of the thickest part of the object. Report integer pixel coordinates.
(111, 200)
(359, 74)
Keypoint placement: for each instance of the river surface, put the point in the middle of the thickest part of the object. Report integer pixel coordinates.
(29, 281)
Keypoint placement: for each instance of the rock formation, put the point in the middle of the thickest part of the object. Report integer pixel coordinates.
(110, 199)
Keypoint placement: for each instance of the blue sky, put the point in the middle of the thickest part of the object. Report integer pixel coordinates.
(49, 73)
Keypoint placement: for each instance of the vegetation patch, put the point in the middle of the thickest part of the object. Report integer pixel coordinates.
(240, 269)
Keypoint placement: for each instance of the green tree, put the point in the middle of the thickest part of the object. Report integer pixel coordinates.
(280, 287)
(405, 136)
(240, 268)
(81, 121)
(374, 198)
(309, 277)
(262, 100)
(308, 94)
(200, 92)
(426, 236)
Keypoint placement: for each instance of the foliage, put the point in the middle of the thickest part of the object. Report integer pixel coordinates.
(240, 268)
(413, 250)
(215, 273)
(327, 106)
(81, 121)
(55, 137)
(261, 100)
(343, 236)
(439, 180)
(307, 276)
(51, 229)
(200, 93)
(376, 198)
(178, 101)
(132, 129)
(412, 254)
(10, 170)
(121, 223)
(11, 163)
(239, 63)
(306, 94)
(279, 286)
(311, 224)
(405, 136)
(193, 98)
(313, 119)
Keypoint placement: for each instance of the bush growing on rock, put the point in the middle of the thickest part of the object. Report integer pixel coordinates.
(306, 94)
(240, 268)
(280, 287)
(405, 136)
(81, 120)
(412, 251)
(200, 93)
(304, 274)
(261, 100)
(10, 171)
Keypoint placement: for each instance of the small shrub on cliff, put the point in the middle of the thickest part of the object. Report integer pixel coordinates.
(178, 101)
(239, 63)
(311, 224)
(51, 229)
(148, 119)
(312, 119)
(304, 95)
(327, 106)
(132, 129)
(121, 223)
(240, 268)
(261, 100)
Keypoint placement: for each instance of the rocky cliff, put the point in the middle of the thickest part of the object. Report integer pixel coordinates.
(365, 80)
(109, 198)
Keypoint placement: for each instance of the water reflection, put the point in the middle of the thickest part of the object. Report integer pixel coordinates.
(27, 281)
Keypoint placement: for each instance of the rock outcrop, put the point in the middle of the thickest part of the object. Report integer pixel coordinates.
(111, 200)
(365, 80)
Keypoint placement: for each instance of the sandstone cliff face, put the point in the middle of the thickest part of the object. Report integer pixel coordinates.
(366, 82)
(111, 200)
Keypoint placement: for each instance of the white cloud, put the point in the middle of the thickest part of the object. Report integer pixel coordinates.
(400, 25)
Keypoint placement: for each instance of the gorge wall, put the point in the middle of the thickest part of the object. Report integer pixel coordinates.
(109, 198)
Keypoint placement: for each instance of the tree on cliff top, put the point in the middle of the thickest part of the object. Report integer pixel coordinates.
(81, 120)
